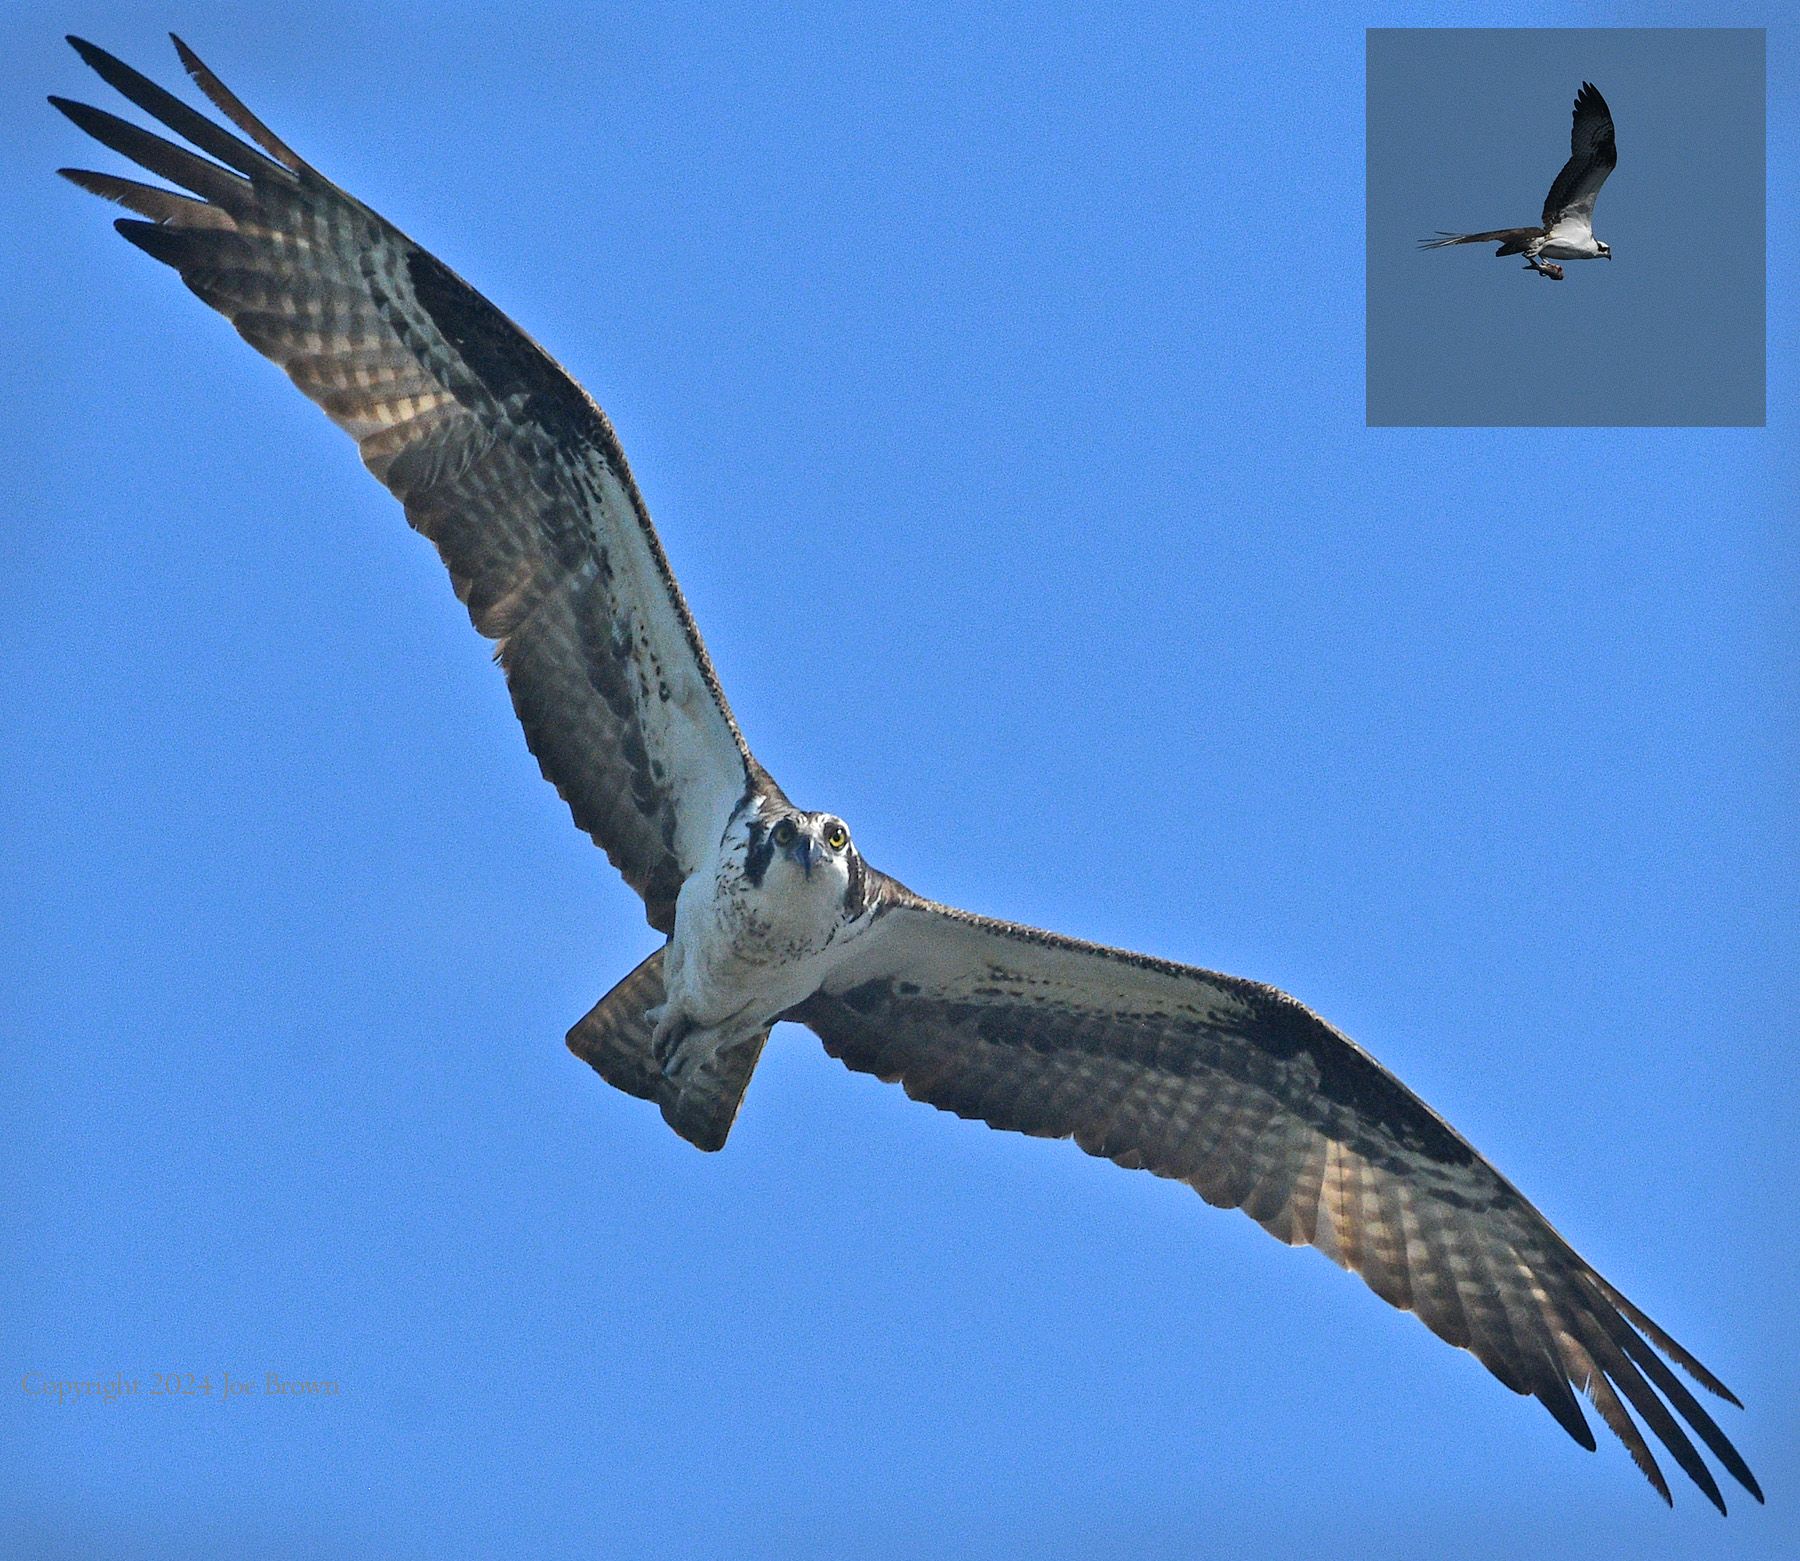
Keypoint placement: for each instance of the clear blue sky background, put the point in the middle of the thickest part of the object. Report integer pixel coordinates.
(1467, 129)
(998, 387)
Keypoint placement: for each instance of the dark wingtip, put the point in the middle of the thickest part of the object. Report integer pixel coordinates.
(110, 69)
(232, 107)
(83, 114)
(156, 241)
(1748, 1480)
(70, 109)
(1574, 1422)
(89, 52)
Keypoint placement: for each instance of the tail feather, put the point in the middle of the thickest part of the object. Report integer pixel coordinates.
(614, 1039)
(1512, 241)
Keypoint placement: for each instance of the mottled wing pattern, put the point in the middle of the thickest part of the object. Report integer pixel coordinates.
(1593, 155)
(1258, 1104)
(498, 456)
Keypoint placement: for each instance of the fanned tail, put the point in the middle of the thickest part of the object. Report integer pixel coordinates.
(615, 1041)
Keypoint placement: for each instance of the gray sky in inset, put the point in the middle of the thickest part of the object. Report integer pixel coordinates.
(1467, 128)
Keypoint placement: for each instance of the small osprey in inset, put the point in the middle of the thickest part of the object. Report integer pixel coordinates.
(1568, 227)
(767, 911)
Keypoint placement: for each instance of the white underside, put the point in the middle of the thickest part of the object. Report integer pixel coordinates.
(1570, 239)
(741, 955)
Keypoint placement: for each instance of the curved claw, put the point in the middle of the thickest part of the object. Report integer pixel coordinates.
(667, 1033)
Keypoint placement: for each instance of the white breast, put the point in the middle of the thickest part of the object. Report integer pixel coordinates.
(743, 953)
(1570, 239)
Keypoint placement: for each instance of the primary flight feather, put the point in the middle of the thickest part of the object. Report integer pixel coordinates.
(769, 910)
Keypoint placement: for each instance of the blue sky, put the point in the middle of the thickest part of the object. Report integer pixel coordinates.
(1043, 335)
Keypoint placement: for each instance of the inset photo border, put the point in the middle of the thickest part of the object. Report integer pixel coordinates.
(1468, 129)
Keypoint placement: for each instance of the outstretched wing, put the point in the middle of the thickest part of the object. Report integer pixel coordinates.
(1258, 1104)
(1592, 157)
(498, 455)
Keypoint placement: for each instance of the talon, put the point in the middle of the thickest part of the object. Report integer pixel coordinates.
(673, 1059)
(667, 1034)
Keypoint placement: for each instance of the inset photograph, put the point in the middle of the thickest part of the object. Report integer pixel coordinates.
(1566, 227)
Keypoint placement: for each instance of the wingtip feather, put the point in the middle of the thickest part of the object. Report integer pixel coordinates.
(156, 241)
(92, 55)
(232, 107)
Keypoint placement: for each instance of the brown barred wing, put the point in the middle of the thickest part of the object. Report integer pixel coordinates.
(1259, 1104)
(499, 457)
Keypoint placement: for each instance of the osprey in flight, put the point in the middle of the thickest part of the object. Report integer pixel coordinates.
(768, 910)
(1567, 232)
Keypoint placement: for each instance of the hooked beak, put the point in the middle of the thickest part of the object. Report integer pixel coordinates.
(805, 851)
(1609, 254)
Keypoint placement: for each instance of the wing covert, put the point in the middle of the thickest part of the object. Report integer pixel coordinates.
(498, 456)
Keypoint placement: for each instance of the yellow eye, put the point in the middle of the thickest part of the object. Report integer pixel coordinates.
(837, 837)
(783, 833)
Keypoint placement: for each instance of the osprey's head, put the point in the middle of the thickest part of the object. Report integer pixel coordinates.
(790, 857)
(811, 841)
(1605, 249)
